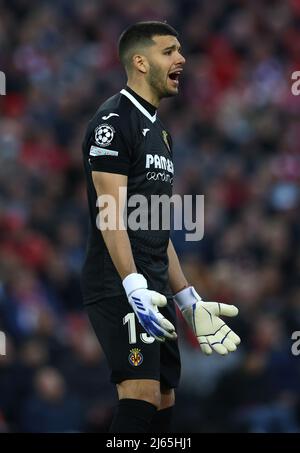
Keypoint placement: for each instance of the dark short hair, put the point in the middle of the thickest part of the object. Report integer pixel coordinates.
(141, 33)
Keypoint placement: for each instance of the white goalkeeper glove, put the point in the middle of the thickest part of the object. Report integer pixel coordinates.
(144, 303)
(203, 317)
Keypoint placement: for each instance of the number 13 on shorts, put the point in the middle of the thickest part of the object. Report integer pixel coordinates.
(131, 320)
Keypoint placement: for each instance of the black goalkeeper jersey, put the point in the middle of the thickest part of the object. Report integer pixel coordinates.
(125, 136)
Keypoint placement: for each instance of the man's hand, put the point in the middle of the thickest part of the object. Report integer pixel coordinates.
(144, 303)
(203, 317)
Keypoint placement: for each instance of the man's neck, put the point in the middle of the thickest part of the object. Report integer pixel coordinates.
(145, 93)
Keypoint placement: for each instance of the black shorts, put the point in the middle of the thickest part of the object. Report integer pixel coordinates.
(130, 352)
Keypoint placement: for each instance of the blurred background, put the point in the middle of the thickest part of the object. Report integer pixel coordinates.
(236, 134)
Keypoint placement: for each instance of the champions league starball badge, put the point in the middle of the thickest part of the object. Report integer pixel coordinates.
(104, 134)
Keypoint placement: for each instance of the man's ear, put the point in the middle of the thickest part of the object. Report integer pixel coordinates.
(140, 63)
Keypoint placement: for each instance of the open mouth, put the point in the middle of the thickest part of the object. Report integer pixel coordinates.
(174, 76)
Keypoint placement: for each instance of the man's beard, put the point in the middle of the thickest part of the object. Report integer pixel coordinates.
(156, 80)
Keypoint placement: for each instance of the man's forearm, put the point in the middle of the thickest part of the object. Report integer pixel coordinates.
(119, 248)
(177, 279)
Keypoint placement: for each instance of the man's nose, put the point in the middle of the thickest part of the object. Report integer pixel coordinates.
(180, 59)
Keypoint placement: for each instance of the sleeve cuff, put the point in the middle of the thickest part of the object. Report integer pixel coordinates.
(133, 282)
(186, 297)
(122, 169)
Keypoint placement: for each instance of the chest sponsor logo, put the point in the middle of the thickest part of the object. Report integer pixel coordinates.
(156, 162)
(161, 162)
(159, 176)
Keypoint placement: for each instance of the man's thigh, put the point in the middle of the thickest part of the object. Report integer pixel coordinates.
(130, 351)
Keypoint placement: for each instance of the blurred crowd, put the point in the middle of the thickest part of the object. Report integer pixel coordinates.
(236, 134)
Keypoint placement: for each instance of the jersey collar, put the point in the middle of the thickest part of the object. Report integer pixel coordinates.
(132, 96)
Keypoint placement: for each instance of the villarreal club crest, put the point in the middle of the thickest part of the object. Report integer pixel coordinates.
(165, 139)
(135, 357)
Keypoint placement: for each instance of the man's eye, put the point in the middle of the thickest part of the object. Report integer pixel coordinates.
(168, 52)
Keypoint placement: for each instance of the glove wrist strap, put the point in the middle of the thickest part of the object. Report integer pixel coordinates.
(133, 282)
(186, 297)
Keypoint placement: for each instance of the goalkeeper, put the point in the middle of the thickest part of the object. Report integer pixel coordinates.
(132, 278)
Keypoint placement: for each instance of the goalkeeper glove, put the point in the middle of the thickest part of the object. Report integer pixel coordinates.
(203, 317)
(144, 303)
